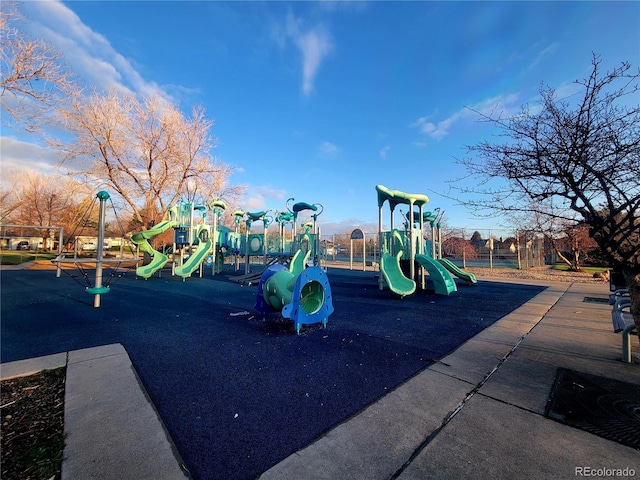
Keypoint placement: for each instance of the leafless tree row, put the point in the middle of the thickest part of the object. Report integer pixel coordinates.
(143, 150)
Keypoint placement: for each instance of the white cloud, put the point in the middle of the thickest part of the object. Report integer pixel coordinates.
(335, 5)
(437, 130)
(570, 90)
(328, 149)
(314, 44)
(348, 225)
(502, 105)
(23, 156)
(88, 53)
(543, 53)
(384, 151)
(253, 203)
(262, 197)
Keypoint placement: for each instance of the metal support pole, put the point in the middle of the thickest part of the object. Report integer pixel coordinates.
(364, 252)
(412, 253)
(103, 197)
(464, 250)
(490, 251)
(381, 242)
(60, 240)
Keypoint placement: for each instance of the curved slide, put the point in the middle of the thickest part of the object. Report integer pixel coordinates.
(443, 284)
(141, 239)
(457, 271)
(392, 274)
(195, 259)
(299, 262)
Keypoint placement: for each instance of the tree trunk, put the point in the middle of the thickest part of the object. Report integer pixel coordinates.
(632, 279)
(576, 261)
(563, 258)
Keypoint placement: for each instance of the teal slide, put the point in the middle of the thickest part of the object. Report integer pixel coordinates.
(392, 274)
(443, 284)
(141, 239)
(195, 259)
(457, 271)
(299, 262)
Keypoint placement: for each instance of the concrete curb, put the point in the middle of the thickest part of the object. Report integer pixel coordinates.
(112, 428)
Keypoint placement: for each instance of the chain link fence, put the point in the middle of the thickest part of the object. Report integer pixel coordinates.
(486, 248)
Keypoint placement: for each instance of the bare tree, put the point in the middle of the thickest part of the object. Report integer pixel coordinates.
(32, 75)
(572, 244)
(145, 150)
(582, 154)
(454, 244)
(570, 241)
(45, 200)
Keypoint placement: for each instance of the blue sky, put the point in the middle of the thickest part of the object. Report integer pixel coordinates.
(321, 101)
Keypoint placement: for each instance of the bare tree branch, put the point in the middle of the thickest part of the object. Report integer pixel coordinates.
(583, 157)
(145, 150)
(33, 79)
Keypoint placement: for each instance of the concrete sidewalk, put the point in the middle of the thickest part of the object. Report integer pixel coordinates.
(113, 430)
(477, 413)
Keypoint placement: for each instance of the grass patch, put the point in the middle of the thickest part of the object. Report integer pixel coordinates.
(17, 258)
(32, 434)
(565, 268)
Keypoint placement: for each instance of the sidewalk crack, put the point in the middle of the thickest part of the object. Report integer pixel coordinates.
(464, 401)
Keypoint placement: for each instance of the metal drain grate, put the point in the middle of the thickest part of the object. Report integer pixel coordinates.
(602, 406)
(595, 300)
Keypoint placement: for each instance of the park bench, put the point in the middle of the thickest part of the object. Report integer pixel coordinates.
(622, 320)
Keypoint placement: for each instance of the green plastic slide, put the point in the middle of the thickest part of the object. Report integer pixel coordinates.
(158, 260)
(195, 259)
(299, 262)
(141, 239)
(443, 284)
(393, 276)
(457, 271)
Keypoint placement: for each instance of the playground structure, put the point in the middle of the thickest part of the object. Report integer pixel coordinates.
(419, 256)
(435, 247)
(309, 239)
(290, 283)
(255, 243)
(195, 243)
(235, 238)
(283, 219)
(100, 285)
(299, 293)
(141, 240)
(279, 246)
(206, 239)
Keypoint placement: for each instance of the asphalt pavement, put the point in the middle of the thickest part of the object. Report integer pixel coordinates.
(478, 412)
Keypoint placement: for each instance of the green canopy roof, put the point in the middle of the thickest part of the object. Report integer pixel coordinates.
(396, 197)
(256, 215)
